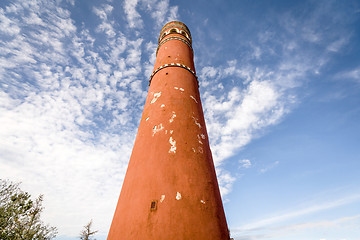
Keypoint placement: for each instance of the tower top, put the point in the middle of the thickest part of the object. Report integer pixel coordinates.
(175, 27)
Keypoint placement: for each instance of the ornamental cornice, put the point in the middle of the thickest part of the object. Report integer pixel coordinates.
(175, 28)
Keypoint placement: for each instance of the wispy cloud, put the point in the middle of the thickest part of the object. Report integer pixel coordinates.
(173, 13)
(132, 15)
(159, 10)
(278, 218)
(319, 224)
(244, 96)
(225, 182)
(106, 26)
(245, 163)
(234, 118)
(352, 74)
(269, 167)
(339, 225)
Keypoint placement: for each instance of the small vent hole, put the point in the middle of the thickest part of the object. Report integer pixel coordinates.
(153, 206)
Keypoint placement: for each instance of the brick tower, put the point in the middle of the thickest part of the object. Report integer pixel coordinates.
(170, 190)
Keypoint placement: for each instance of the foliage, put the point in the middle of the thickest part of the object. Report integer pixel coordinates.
(20, 216)
(86, 233)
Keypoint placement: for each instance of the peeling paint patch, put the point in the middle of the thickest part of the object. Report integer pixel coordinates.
(196, 122)
(171, 131)
(147, 119)
(173, 145)
(165, 131)
(193, 149)
(199, 139)
(194, 99)
(162, 105)
(162, 198)
(178, 196)
(181, 89)
(156, 96)
(172, 117)
(202, 201)
(202, 136)
(200, 150)
(157, 128)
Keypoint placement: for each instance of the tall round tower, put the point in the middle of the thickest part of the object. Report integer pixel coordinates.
(170, 190)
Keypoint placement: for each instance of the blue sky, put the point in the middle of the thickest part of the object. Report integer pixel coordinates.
(279, 83)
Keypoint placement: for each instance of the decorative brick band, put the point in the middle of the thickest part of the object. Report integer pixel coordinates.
(173, 65)
(173, 38)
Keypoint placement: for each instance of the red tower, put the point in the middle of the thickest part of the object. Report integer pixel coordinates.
(170, 189)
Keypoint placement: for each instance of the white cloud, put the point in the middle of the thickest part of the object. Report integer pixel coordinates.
(103, 11)
(44, 145)
(245, 163)
(320, 224)
(233, 119)
(134, 53)
(132, 15)
(353, 74)
(243, 97)
(281, 217)
(339, 227)
(235, 116)
(208, 71)
(225, 181)
(173, 15)
(106, 25)
(310, 35)
(149, 65)
(9, 26)
(118, 47)
(336, 45)
(159, 11)
(269, 167)
(67, 122)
